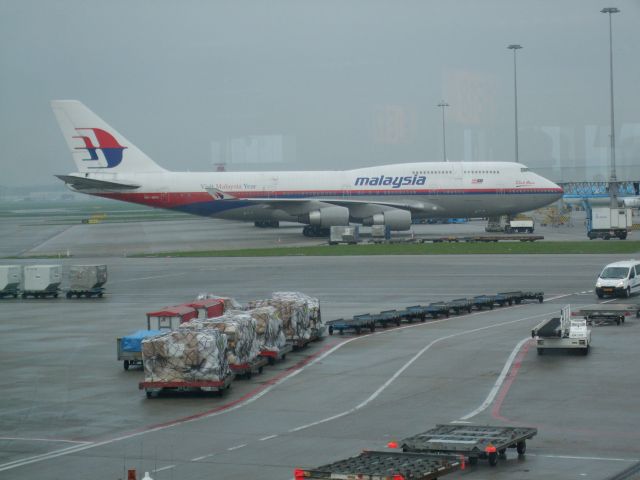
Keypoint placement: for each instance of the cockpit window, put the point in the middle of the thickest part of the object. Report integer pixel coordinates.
(524, 169)
(615, 272)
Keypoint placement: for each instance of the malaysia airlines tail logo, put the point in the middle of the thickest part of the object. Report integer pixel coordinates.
(111, 149)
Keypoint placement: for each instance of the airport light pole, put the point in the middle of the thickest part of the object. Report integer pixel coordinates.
(515, 47)
(613, 181)
(442, 105)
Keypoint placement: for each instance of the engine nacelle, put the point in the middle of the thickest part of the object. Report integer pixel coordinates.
(329, 216)
(394, 219)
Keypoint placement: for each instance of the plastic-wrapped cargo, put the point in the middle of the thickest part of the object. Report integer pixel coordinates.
(300, 313)
(240, 329)
(186, 355)
(42, 278)
(10, 279)
(87, 277)
(269, 328)
(229, 302)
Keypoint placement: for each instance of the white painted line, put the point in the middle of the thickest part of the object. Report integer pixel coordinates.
(572, 457)
(268, 438)
(20, 439)
(197, 459)
(79, 448)
(496, 387)
(401, 370)
(231, 449)
(163, 468)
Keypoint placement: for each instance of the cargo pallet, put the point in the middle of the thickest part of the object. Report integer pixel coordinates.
(273, 356)
(300, 343)
(41, 293)
(372, 465)
(607, 314)
(247, 370)
(128, 358)
(473, 441)
(98, 292)
(153, 389)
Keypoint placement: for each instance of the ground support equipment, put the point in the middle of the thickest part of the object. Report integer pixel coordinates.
(473, 441)
(98, 292)
(128, 358)
(372, 465)
(247, 370)
(273, 356)
(357, 324)
(608, 314)
(153, 389)
(483, 301)
(460, 305)
(54, 292)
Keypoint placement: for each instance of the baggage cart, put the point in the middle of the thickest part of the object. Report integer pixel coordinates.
(42, 281)
(436, 309)
(508, 298)
(153, 389)
(607, 314)
(473, 441)
(459, 305)
(247, 370)
(372, 465)
(169, 318)
(273, 356)
(357, 324)
(128, 358)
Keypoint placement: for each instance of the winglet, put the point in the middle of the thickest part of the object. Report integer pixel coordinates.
(219, 194)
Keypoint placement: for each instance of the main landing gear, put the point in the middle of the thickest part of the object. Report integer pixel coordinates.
(315, 231)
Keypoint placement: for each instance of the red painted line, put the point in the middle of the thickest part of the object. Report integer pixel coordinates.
(513, 373)
(246, 396)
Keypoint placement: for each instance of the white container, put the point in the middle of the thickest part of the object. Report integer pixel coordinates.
(42, 278)
(87, 277)
(10, 277)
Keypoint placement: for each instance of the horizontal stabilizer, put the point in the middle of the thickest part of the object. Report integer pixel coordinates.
(82, 183)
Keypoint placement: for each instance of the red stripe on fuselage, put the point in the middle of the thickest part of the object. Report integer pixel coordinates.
(178, 199)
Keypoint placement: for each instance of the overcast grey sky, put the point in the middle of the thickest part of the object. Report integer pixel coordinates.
(353, 83)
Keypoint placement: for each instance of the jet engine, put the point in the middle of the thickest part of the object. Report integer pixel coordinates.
(394, 219)
(329, 216)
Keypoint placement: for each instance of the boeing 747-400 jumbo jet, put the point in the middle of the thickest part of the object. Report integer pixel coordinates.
(111, 166)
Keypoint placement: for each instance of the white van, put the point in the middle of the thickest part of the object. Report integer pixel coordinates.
(619, 278)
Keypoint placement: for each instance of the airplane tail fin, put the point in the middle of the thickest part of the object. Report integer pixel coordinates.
(95, 145)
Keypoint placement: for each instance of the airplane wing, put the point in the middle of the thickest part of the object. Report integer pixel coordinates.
(296, 205)
(82, 184)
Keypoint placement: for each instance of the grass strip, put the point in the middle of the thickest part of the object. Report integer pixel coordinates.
(466, 248)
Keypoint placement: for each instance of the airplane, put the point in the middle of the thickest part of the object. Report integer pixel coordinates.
(110, 166)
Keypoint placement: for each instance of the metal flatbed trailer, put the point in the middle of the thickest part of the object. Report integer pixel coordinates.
(357, 324)
(88, 293)
(273, 356)
(387, 317)
(539, 296)
(473, 441)
(436, 309)
(607, 313)
(459, 305)
(153, 389)
(482, 301)
(372, 465)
